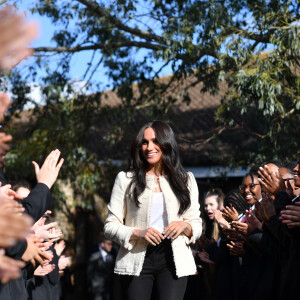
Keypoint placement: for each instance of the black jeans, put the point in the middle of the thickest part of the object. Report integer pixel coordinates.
(157, 280)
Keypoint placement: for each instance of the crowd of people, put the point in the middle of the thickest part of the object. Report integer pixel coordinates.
(31, 255)
(248, 246)
(250, 240)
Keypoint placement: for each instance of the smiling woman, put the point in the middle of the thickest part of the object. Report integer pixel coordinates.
(250, 188)
(154, 215)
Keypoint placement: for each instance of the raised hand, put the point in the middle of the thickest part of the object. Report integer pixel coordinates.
(16, 34)
(230, 213)
(291, 216)
(48, 173)
(59, 247)
(9, 268)
(175, 228)
(272, 181)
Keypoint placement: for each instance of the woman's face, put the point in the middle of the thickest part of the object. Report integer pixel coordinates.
(150, 149)
(210, 204)
(251, 191)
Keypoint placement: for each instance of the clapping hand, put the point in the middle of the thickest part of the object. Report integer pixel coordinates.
(63, 262)
(252, 222)
(272, 181)
(291, 216)
(33, 253)
(240, 227)
(236, 248)
(230, 213)
(48, 173)
(59, 247)
(44, 270)
(220, 219)
(48, 232)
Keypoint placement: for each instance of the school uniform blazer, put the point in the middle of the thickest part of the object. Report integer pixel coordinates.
(124, 217)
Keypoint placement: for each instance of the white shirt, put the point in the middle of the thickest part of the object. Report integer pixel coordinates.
(158, 217)
(103, 252)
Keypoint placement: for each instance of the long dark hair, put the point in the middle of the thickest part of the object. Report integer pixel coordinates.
(171, 165)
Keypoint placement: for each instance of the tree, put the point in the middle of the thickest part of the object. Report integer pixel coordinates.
(215, 40)
(253, 46)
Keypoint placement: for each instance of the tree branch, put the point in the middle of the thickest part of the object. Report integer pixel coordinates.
(95, 8)
(115, 45)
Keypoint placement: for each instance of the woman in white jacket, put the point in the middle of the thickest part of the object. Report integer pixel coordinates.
(154, 215)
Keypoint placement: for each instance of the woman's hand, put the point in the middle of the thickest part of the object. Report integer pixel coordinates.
(151, 235)
(175, 228)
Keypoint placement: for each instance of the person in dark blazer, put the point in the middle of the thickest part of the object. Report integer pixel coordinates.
(100, 269)
(36, 204)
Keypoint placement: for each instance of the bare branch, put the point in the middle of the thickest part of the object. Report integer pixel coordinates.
(115, 45)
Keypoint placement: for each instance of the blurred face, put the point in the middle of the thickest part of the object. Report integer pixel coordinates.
(107, 245)
(285, 174)
(297, 172)
(150, 149)
(210, 204)
(251, 191)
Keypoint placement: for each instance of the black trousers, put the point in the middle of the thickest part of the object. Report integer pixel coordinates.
(157, 280)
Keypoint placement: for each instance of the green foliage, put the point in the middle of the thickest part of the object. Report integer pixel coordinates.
(252, 46)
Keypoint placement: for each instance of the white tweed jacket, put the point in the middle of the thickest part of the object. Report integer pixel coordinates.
(124, 217)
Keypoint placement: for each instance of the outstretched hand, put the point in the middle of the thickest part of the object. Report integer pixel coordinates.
(48, 173)
(16, 35)
(34, 254)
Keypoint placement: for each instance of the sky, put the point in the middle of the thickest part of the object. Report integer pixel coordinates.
(80, 60)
